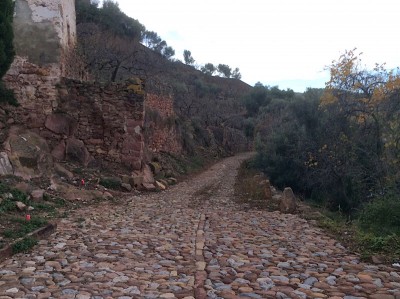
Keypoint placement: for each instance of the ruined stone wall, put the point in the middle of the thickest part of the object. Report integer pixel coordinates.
(91, 123)
(44, 37)
(161, 132)
(106, 120)
(34, 88)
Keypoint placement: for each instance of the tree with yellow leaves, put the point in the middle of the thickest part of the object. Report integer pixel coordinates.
(370, 99)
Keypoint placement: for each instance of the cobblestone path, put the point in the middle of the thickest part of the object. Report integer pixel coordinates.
(192, 241)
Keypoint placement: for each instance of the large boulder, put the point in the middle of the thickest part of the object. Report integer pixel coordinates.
(288, 201)
(29, 154)
(37, 195)
(76, 151)
(58, 151)
(60, 124)
(61, 171)
(5, 165)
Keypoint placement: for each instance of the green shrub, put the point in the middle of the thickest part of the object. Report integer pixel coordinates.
(7, 95)
(110, 183)
(381, 216)
(370, 244)
(24, 245)
(26, 227)
(7, 205)
(249, 127)
(19, 196)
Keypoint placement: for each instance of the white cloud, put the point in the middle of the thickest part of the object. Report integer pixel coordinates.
(274, 40)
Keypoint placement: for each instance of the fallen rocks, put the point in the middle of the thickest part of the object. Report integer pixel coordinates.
(63, 172)
(126, 187)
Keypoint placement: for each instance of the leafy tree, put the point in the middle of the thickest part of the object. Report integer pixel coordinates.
(154, 42)
(109, 41)
(208, 69)
(110, 18)
(188, 58)
(151, 40)
(339, 145)
(261, 96)
(224, 70)
(105, 52)
(236, 74)
(168, 52)
(369, 99)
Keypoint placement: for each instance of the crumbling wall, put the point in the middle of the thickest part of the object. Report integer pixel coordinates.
(106, 118)
(34, 88)
(161, 131)
(92, 124)
(44, 38)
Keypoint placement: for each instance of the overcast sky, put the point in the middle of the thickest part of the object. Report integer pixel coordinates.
(277, 42)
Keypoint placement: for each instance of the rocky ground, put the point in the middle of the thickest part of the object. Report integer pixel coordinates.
(192, 241)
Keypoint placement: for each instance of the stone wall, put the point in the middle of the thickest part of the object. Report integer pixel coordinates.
(163, 104)
(35, 89)
(161, 131)
(92, 124)
(104, 119)
(44, 40)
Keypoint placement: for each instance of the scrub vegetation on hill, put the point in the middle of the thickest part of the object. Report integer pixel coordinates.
(338, 147)
(113, 43)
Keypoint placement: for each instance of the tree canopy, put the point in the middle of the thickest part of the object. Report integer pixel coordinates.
(339, 145)
(110, 18)
(188, 58)
(208, 69)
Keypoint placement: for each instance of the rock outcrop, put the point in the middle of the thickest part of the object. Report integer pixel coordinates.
(288, 201)
(5, 165)
(29, 154)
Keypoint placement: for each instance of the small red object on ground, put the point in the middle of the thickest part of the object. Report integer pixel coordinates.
(83, 182)
(28, 217)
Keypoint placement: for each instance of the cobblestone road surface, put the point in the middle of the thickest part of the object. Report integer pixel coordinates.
(192, 241)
